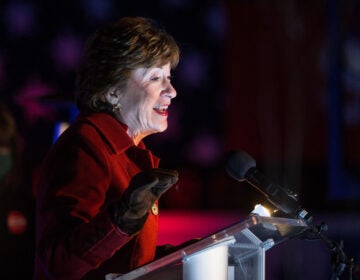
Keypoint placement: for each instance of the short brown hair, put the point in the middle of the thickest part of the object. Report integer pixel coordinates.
(116, 49)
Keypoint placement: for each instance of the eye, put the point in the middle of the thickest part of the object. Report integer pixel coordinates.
(170, 77)
(155, 78)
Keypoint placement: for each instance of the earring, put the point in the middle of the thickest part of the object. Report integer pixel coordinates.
(116, 108)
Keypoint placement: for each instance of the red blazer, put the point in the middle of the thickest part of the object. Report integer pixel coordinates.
(85, 171)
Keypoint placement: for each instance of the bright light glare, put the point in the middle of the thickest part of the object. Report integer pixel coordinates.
(261, 211)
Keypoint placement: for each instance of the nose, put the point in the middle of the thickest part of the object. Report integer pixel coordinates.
(169, 90)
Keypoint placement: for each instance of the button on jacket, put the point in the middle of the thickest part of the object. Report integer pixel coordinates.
(85, 171)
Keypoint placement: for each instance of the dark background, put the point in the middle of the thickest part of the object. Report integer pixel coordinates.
(277, 79)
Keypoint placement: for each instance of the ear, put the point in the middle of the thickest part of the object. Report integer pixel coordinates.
(111, 96)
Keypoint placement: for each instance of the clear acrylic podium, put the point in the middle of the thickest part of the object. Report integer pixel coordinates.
(234, 253)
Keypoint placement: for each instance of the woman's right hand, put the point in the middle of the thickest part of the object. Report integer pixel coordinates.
(144, 190)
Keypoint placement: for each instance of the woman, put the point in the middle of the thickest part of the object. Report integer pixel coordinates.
(99, 185)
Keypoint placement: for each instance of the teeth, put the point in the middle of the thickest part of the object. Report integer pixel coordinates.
(161, 108)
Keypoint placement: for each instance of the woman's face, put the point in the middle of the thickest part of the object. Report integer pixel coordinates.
(145, 100)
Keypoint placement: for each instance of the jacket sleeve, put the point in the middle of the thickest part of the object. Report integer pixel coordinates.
(75, 233)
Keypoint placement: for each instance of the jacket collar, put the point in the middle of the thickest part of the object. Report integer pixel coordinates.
(115, 133)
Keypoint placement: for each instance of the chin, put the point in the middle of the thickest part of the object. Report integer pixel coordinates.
(157, 125)
(161, 128)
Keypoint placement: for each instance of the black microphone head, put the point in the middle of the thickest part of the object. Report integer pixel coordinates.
(238, 163)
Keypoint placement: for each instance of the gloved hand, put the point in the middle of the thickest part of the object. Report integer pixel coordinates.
(144, 190)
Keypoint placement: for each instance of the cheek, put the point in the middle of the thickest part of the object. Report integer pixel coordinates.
(145, 110)
(142, 101)
(135, 104)
(147, 102)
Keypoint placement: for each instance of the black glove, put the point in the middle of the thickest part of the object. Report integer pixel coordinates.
(144, 190)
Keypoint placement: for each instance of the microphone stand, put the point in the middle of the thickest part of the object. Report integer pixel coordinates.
(339, 259)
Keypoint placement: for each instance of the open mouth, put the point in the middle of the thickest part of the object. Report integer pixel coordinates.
(162, 110)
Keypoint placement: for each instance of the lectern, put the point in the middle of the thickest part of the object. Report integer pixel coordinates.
(234, 253)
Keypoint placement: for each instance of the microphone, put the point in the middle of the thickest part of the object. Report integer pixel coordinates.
(242, 167)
